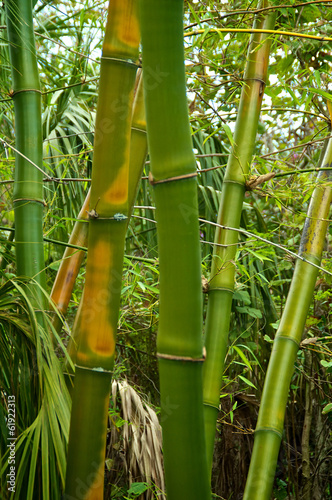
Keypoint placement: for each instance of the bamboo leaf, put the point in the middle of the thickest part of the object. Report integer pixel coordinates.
(246, 381)
(327, 408)
(242, 356)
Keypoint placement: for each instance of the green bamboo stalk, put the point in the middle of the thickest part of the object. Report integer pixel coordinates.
(223, 267)
(28, 185)
(173, 172)
(270, 422)
(107, 228)
(138, 143)
(73, 258)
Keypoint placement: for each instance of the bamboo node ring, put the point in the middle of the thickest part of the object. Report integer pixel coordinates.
(263, 82)
(118, 217)
(14, 92)
(189, 359)
(98, 369)
(138, 129)
(43, 202)
(132, 62)
(153, 182)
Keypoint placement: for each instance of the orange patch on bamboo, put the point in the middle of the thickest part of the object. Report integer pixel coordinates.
(96, 490)
(97, 331)
(128, 34)
(117, 193)
(125, 34)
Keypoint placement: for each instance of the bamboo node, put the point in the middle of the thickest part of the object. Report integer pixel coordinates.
(256, 180)
(14, 92)
(172, 357)
(262, 82)
(153, 182)
(118, 217)
(139, 129)
(43, 202)
(99, 369)
(132, 62)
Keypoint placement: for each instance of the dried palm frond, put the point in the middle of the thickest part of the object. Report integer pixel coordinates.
(135, 442)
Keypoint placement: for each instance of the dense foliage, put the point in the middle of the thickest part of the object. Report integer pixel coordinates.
(295, 122)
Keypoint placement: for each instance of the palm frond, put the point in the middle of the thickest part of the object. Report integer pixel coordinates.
(31, 371)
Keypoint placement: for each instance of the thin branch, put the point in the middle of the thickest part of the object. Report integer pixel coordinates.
(251, 30)
(209, 105)
(66, 47)
(27, 159)
(252, 12)
(296, 147)
(82, 82)
(268, 242)
(255, 236)
(305, 170)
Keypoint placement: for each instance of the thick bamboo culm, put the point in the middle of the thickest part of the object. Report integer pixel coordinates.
(73, 258)
(173, 171)
(270, 422)
(223, 261)
(108, 215)
(28, 182)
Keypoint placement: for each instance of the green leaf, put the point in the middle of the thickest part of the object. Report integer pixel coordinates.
(243, 296)
(327, 408)
(326, 364)
(246, 381)
(228, 133)
(317, 77)
(251, 311)
(242, 356)
(320, 92)
(138, 488)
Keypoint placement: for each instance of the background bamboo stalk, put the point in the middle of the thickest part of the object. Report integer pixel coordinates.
(107, 228)
(305, 439)
(173, 170)
(28, 185)
(234, 184)
(70, 265)
(270, 422)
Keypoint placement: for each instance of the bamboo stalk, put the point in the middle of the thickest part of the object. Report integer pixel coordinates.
(173, 171)
(70, 265)
(270, 422)
(223, 266)
(305, 439)
(72, 259)
(107, 228)
(28, 185)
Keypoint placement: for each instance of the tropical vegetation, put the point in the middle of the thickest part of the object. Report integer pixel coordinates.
(165, 287)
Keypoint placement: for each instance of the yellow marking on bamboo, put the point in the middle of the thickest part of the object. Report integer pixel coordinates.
(128, 34)
(117, 193)
(96, 490)
(97, 331)
(124, 27)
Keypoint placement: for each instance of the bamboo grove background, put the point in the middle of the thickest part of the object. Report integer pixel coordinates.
(289, 139)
